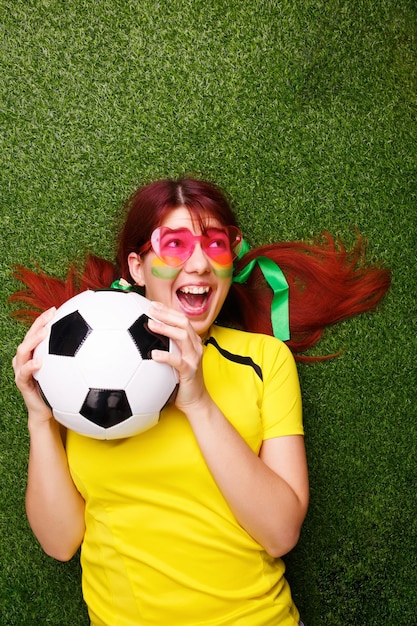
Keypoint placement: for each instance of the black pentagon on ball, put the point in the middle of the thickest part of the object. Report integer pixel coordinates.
(68, 334)
(145, 339)
(106, 407)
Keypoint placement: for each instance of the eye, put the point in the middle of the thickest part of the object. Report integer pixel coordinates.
(218, 240)
(173, 243)
(219, 243)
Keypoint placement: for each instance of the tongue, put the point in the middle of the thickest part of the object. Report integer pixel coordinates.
(192, 300)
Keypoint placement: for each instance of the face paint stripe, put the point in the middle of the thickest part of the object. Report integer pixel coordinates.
(164, 271)
(223, 273)
(222, 259)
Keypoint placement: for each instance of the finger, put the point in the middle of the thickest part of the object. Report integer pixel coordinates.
(170, 358)
(25, 350)
(172, 319)
(178, 334)
(26, 369)
(187, 370)
(34, 336)
(43, 319)
(167, 315)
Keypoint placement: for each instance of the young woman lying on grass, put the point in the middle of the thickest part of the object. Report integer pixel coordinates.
(186, 523)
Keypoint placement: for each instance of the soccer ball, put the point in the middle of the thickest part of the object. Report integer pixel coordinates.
(97, 374)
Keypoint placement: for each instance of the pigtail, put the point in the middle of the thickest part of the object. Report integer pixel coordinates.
(44, 291)
(327, 283)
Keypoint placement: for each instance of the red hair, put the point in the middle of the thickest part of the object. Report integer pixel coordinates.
(327, 283)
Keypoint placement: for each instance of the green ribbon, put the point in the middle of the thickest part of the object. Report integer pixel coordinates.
(277, 281)
(121, 284)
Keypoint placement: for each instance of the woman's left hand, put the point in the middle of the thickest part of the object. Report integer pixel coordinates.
(187, 360)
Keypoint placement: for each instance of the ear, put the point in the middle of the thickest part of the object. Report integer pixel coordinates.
(136, 268)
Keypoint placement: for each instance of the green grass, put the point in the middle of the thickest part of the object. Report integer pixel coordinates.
(305, 113)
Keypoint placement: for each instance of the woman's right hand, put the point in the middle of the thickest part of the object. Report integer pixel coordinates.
(25, 366)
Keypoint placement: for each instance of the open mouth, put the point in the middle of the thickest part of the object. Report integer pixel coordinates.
(194, 299)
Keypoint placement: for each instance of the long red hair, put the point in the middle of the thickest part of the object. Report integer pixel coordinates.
(327, 283)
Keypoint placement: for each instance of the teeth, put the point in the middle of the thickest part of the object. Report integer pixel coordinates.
(195, 290)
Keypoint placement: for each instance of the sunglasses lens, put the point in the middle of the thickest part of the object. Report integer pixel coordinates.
(172, 246)
(220, 244)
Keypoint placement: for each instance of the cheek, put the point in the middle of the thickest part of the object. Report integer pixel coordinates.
(222, 271)
(159, 269)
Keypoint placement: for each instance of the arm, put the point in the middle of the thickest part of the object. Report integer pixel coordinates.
(55, 509)
(268, 494)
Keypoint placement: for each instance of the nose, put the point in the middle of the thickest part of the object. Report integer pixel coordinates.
(198, 261)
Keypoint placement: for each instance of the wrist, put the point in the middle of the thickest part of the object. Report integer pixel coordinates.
(41, 422)
(200, 407)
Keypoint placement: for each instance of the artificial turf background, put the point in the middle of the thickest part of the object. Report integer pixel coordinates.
(305, 113)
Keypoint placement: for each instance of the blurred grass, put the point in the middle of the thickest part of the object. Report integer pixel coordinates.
(305, 113)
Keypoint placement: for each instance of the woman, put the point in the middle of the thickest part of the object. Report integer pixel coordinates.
(185, 524)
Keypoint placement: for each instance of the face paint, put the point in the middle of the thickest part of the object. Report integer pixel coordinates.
(162, 270)
(222, 270)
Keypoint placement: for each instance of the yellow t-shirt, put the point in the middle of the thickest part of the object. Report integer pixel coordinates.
(161, 546)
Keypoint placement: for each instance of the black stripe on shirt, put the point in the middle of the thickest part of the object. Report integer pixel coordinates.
(236, 358)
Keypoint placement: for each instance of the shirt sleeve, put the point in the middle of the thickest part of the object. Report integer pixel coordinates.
(281, 409)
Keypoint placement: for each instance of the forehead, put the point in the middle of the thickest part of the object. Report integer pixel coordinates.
(183, 218)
